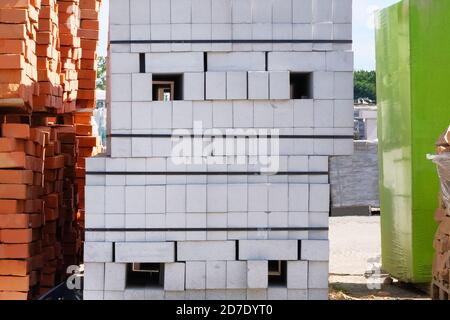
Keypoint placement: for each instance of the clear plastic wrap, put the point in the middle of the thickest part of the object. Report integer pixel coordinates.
(443, 167)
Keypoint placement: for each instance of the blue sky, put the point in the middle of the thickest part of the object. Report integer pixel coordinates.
(363, 31)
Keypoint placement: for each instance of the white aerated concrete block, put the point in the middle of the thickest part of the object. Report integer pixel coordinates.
(322, 10)
(323, 113)
(304, 113)
(343, 85)
(120, 116)
(318, 275)
(182, 114)
(216, 85)
(236, 85)
(279, 85)
(161, 32)
(155, 199)
(141, 116)
(176, 198)
(180, 11)
(298, 197)
(195, 275)
(174, 276)
(119, 12)
(145, 252)
(342, 31)
(201, 11)
(196, 199)
(93, 295)
(315, 250)
(342, 11)
(278, 197)
(217, 198)
(206, 250)
(114, 199)
(257, 197)
(202, 113)
(277, 293)
(268, 250)
(194, 86)
(258, 85)
(323, 85)
(242, 11)
(257, 274)
(113, 295)
(221, 11)
(283, 116)
(120, 87)
(115, 276)
(236, 61)
(156, 8)
(263, 114)
(297, 61)
(343, 113)
(135, 199)
(222, 114)
(297, 294)
(95, 199)
(124, 63)
(297, 275)
(237, 198)
(318, 294)
(141, 87)
(302, 11)
(282, 11)
(216, 274)
(236, 275)
(94, 276)
(140, 32)
(98, 251)
(174, 62)
(339, 61)
(319, 197)
(242, 114)
(262, 11)
(140, 12)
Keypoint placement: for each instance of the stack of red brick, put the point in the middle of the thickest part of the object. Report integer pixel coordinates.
(441, 262)
(47, 97)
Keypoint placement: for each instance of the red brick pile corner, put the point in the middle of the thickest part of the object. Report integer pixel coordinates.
(48, 54)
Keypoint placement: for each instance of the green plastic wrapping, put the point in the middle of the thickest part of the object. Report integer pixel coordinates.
(413, 82)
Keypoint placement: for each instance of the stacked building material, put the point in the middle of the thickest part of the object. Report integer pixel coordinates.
(441, 262)
(49, 60)
(18, 60)
(89, 36)
(41, 164)
(22, 218)
(69, 20)
(207, 219)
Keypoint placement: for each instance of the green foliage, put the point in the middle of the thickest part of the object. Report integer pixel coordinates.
(101, 73)
(365, 84)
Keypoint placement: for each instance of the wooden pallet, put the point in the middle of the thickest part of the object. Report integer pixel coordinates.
(440, 291)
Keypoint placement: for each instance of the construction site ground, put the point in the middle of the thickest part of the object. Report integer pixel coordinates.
(355, 263)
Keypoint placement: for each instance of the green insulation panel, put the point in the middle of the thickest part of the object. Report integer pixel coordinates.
(413, 88)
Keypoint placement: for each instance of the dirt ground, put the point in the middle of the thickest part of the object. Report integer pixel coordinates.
(355, 263)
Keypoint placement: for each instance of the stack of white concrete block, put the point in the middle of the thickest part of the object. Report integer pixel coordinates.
(214, 228)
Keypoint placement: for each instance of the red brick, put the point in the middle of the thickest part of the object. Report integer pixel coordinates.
(16, 176)
(15, 267)
(17, 235)
(16, 130)
(11, 283)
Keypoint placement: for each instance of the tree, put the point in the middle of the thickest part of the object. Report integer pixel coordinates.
(365, 85)
(101, 73)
